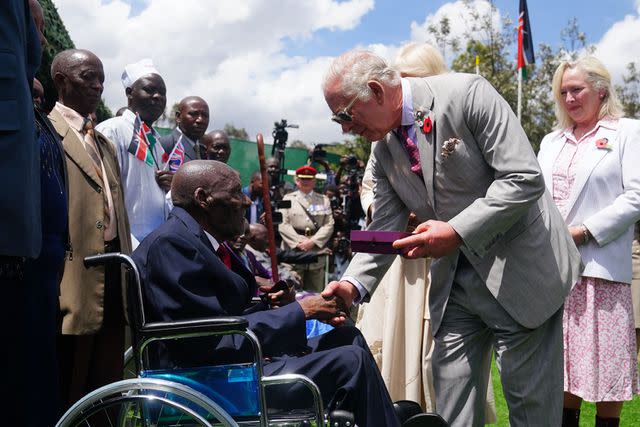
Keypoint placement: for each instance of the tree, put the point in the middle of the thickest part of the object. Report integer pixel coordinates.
(58, 40)
(442, 35)
(359, 146)
(629, 93)
(538, 112)
(573, 38)
(234, 132)
(297, 143)
(492, 47)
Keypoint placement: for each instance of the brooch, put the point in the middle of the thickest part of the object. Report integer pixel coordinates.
(603, 144)
(424, 123)
(449, 146)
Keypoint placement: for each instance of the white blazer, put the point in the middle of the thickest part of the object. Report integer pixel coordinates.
(605, 196)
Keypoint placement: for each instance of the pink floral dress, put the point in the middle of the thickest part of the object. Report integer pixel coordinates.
(598, 326)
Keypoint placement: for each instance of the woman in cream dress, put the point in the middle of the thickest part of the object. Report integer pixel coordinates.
(396, 322)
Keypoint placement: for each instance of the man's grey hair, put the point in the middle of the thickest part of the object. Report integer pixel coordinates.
(352, 70)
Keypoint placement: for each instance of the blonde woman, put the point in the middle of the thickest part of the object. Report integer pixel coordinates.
(396, 322)
(590, 167)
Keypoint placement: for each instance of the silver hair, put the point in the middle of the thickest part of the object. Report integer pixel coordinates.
(598, 77)
(352, 70)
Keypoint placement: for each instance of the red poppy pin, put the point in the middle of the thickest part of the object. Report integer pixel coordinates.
(427, 125)
(603, 144)
(424, 123)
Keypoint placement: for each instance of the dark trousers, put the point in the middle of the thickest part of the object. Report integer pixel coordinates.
(88, 362)
(344, 370)
(29, 391)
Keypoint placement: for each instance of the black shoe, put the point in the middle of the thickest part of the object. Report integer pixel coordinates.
(607, 422)
(340, 418)
(406, 409)
(425, 420)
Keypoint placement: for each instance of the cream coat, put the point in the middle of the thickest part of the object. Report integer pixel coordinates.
(82, 289)
(295, 221)
(605, 196)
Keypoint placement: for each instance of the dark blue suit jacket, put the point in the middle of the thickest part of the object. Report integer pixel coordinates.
(20, 231)
(183, 278)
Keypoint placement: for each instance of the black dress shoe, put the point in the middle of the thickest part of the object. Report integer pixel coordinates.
(341, 418)
(425, 420)
(406, 409)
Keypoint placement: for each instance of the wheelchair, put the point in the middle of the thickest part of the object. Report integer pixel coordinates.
(232, 394)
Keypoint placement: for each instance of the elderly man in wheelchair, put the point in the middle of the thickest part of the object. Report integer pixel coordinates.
(185, 274)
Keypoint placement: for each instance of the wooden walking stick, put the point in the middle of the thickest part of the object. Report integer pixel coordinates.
(266, 201)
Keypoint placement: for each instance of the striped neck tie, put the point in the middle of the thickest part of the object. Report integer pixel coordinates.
(90, 145)
(411, 148)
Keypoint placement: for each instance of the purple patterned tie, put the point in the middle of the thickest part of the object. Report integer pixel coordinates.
(411, 148)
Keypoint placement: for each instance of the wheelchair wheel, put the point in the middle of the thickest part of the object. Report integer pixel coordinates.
(129, 365)
(145, 403)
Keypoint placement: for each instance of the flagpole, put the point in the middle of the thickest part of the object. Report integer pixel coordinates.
(520, 95)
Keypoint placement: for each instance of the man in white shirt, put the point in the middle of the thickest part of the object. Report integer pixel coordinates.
(145, 180)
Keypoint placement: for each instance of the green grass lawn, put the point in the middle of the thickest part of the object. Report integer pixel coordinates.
(630, 412)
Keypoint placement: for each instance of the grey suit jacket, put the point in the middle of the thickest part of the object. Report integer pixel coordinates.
(169, 141)
(491, 191)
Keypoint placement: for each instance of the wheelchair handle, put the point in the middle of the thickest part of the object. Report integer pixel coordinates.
(108, 258)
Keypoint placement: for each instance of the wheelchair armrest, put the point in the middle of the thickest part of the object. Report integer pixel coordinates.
(214, 325)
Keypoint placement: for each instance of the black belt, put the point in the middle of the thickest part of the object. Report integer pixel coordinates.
(306, 232)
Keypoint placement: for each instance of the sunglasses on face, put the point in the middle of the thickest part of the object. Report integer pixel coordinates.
(344, 115)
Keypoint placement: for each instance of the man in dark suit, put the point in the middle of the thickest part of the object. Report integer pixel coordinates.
(20, 57)
(254, 192)
(185, 277)
(30, 310)
(192, 118)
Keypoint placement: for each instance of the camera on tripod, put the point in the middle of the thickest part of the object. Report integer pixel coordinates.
(277, 170)
(318, 153)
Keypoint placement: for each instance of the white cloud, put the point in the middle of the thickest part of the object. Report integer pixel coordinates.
(459, 18)
(230, 52)
(621, 45)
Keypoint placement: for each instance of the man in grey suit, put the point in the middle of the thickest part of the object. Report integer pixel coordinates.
(452, 151)
(192, 118)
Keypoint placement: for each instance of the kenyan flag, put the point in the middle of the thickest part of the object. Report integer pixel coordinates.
(142, 143)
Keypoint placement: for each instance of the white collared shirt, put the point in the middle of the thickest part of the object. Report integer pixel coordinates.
(213, 240)
(144, 199)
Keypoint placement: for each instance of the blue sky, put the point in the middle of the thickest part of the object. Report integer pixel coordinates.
(257, 61)
(548, 18)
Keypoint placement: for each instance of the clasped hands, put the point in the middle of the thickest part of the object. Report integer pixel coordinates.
(314, 306)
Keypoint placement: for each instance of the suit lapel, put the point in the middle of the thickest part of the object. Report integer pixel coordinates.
(73, 147)
(402, 169)
(592, 156)
(189, 150)
(423, 101)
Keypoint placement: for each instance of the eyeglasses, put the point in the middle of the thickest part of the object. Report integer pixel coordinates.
(344, 115)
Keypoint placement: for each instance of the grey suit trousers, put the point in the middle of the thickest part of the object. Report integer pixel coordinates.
(530, 360)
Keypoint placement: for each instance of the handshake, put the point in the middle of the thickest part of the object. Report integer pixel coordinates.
(326, 308)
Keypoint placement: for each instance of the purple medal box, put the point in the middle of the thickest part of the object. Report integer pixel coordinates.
(376, 242)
